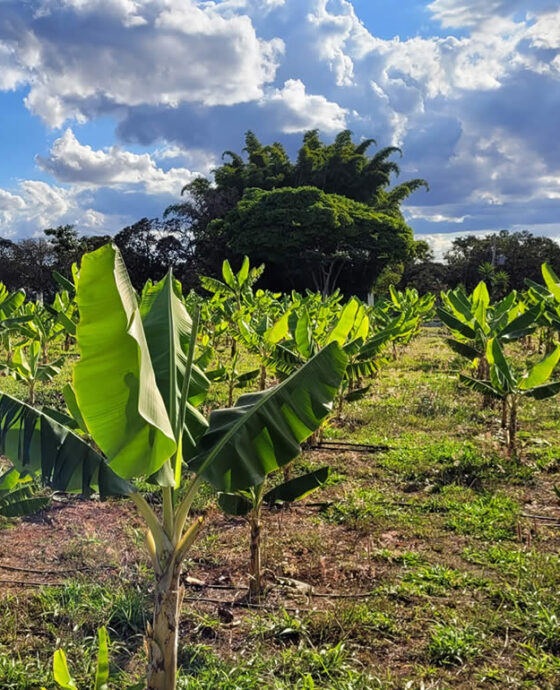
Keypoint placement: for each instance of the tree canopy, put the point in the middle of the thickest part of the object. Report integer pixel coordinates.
(304, 233)
(334, 203)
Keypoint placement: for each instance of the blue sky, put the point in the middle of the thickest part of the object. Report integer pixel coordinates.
(108, 107)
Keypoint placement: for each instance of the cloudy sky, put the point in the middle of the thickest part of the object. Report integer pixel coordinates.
(108, 107)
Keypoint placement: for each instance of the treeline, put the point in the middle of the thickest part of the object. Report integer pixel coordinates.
(330, 219)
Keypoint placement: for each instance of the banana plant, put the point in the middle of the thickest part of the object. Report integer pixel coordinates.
(473, 322)
(510, 388)
(410, 301)
(233, 291)
(249, 503)
(234, 378)
(234, 285)
(65, 312)
(137, 390)
(549, 299)
(351, 330)
(261, 335)
(27, 365)
(11, 304)
(20, 495)
(42, 326)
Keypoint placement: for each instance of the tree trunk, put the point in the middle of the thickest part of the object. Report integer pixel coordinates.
(512, 427)
(231, 385)
(255, 566)
(162, 636)
(262, 381)
(504, 413)
(31, 393)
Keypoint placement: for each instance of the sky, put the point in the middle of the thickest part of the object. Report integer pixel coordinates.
(109, 107)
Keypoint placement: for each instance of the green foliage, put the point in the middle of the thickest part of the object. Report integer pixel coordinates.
(62, 674)
(453, 644)
(307, 231)
(489, 516)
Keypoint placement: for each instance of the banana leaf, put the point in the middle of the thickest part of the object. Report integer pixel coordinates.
(234, 504)
(297, 488)
(454, 324)
(114, 380)
(484, 387)
(37, 444)
(21, 502)
(263, 431)
(463, 349)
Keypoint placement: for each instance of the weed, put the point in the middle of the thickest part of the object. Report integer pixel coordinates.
(539, 664)
(453, 644)
(437, 580)
(490, 516)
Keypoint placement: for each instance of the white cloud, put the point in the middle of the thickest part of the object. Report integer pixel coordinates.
(431, 214)
(38, 205)
(10, 202)
(71, 162)
(128, 53)
(296, 111)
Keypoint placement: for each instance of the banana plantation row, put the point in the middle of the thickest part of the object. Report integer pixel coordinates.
(136, 408)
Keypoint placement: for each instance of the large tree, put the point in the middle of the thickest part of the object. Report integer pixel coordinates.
(310, 238)
(342, 168)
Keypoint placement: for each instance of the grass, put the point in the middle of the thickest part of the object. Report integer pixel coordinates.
(454, 587)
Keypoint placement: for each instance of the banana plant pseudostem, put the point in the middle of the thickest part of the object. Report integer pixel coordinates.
(135, 393)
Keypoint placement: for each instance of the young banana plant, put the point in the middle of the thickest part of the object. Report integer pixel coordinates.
(234, 378)
(11, 304)
(505, 385)
(136, 391)
(20, 495)
(473, 322)
(27, 365)
(248, 503)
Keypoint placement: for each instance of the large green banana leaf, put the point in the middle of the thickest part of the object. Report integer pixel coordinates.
(264, 430)
(36, 443)
(114, 380)
(547, 390)
(521, 325)
(462, 349)
(21, 502)
(168, 329)
(552, 281)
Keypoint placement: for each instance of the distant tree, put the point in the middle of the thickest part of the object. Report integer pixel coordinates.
(518, 254)
(309, 238)
(34, 261)
(144, 251)
(66, 247)
(426, 276)
(9, 268)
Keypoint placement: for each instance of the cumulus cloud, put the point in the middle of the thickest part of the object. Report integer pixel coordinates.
(470, 13)
(71, 162)
(81, 58)
(38, 205)
(295, 110)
